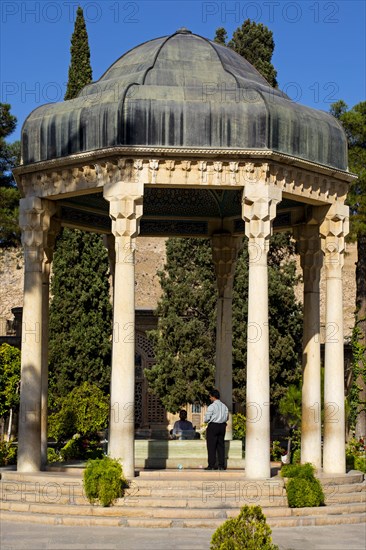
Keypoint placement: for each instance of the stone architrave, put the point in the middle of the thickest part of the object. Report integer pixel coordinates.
(225, 250)
(311, 259)
(34, 220)
(125, 207)
(259, 210)
(333, 230)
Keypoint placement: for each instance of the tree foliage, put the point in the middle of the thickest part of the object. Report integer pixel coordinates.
(221, 36)
(9, 378)
(184, 342)
(83, 411)
(253, 41)
(80, 71)
(9, 194)
(80, 313)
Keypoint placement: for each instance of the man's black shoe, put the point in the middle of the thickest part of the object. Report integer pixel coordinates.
(209, 468)
(221, 468)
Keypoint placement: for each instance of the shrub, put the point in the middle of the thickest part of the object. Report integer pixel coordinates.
(71, 449)
(85, 411)
(303, 492)
(277, 450)
(104, 481)
(360, 464)
(302, 489)
(8, 453)
(239, 426)
(356, 455)
(52, 455)
(296, 456)
(249, 530)
(305, 471)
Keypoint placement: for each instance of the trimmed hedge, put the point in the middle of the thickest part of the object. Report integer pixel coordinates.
(104, 481)
(303, 489)
(249, 530)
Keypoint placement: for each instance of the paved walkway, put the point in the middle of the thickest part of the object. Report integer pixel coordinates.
(22, 536)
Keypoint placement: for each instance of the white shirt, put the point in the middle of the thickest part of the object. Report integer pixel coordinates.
(217, 412)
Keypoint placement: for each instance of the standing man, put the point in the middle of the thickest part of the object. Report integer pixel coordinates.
(216, 416)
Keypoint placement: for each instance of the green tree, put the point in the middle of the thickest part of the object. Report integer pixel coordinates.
(9, 194)
(80, 71)
(80, 314)
(290, 405)
(9, 381)
(221, 36)
(83, 411)
(184, 342)
(354, 123)
(254, 41)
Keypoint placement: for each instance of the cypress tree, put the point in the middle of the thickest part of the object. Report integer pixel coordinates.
(184, 342)
(80, 71)
(80, 311)
(80, 314)
(254, 41)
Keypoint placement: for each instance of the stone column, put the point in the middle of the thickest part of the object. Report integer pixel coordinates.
(259, 209)
(125, 207)
(311, 258)
(333, 230)
(225, 249)
(49, 245)
(34, 221)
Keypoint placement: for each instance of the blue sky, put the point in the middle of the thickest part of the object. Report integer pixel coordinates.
(319, 54)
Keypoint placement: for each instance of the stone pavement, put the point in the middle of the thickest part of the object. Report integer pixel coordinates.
(22, 536)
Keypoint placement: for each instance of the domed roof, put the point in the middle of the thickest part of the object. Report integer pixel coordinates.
(183, 91)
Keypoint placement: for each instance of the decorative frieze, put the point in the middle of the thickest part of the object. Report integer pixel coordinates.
(224, 172)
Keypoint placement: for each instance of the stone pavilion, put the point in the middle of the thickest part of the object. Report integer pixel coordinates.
(183, 137)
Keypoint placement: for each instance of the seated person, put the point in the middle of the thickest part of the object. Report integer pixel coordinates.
(183, 428)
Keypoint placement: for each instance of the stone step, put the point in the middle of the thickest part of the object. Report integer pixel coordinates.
(211, 523)
(50, 488)
(148, 498)
(182, 510)
(205, 488)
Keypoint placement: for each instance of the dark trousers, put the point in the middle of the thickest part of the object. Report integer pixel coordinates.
(215, 439)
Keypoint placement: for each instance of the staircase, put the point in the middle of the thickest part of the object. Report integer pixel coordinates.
(175, 498)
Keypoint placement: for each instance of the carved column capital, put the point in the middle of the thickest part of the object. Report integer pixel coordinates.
(225, 250)
(125, 207)
(34, 220)
(258, 211)
(308, 245)
(333, 230)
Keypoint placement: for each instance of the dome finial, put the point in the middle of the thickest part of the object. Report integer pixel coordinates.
(183, 30)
